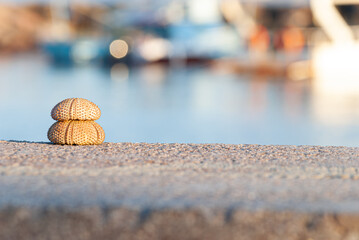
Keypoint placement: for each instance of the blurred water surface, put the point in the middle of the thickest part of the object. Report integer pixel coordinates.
(157, 103)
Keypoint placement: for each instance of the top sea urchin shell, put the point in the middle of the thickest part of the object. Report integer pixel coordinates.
(75, 109)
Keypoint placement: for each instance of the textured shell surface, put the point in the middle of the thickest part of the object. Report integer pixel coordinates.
(74, 132)
(75, 109)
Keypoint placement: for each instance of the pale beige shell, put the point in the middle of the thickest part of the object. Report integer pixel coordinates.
(75, 132)
(75, 109)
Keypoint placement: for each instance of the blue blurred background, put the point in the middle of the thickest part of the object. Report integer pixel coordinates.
(194, 71)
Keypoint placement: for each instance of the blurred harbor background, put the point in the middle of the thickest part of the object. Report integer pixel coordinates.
(193, 71)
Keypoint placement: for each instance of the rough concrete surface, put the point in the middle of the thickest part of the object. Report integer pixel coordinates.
(178, 191)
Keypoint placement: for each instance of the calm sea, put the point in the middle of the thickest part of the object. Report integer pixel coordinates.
(163, 104)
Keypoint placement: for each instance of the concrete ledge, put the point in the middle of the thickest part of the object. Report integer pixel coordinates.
(178, 191)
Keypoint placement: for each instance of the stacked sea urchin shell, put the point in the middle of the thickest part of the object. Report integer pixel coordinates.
(76, 123)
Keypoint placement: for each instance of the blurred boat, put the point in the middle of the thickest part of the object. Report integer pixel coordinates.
(199, 35)
(81, 51)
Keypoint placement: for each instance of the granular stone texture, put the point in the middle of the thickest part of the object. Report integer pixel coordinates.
(178, 191)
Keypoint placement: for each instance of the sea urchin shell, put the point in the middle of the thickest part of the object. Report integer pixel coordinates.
(75, 109)
(75, 132)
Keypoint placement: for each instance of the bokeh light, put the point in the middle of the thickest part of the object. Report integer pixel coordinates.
(119, 48)
(119, 72)
(154, 49)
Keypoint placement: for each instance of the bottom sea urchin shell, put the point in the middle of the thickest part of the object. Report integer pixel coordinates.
(76, 133)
